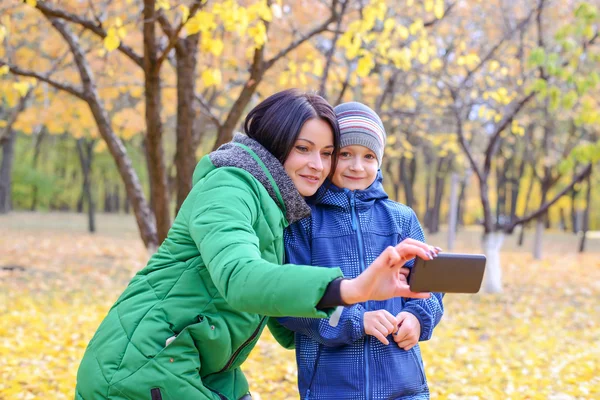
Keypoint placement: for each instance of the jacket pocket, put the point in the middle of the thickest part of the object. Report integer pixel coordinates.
(173, 373)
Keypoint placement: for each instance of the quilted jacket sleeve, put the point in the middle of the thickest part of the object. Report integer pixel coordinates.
(221, 224)
(350, 328)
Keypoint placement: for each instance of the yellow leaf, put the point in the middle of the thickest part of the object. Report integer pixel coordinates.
(2, 33)
(121, 32)
(119, 22)
(318, 67)
(416, 26)
(185, 12)
(389, 24)
(3, 123)
(423, 56)
(303, 79)
(402, 32)
(436, 65)
(438, 9)
(211, 77)
(111, 41)
(216, 47)
(201, 22)
(4, 70)
(365, 65)
(428, 5)
(21, 87)
(162, 5)
(494, 65)
(32, 3)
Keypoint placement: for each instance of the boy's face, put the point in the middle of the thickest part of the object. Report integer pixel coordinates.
(357, 168)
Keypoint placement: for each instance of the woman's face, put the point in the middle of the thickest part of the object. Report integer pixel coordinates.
(309, 162)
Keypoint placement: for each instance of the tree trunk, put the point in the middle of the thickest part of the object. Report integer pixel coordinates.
(116, 199)
(563, 220)
(408, 179)
(154, 129)
(492, 278)
(427, 216)
(574, 194)
(444, 165)
(461, 198)
(85, 149)
(8, 156)
(144, 218)
(36, 155)
(185, 158)
(527, 199)
(453, 212)
(539, 227)
(586, 215)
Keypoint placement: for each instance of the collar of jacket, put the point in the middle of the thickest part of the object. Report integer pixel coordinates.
(330, 194)
(232, 155)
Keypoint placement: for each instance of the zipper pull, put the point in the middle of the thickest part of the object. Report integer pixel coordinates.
(352, 209)
(307, 394)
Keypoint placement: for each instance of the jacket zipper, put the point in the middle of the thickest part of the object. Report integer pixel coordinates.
(361, 260)
(234, 355)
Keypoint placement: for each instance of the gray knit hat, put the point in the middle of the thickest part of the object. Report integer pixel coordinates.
(362, 126)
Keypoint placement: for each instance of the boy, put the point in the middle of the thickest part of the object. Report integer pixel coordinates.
(352, 221)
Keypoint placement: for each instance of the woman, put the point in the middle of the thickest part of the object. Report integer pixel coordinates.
(189, 319)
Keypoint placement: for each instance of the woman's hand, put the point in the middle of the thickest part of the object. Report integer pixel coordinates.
(380, 324)
(386, 278)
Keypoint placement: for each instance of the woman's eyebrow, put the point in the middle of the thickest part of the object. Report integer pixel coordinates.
(306, 140)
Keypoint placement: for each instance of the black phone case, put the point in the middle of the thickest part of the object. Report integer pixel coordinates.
(448, 273)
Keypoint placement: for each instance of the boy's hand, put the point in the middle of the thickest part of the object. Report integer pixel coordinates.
(380, 324)
(409, 331)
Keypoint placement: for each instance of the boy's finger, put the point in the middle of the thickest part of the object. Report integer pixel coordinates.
(386, 325)
(381, 337)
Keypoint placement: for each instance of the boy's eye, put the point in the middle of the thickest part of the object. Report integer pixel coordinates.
(344, 154)
(370, 157)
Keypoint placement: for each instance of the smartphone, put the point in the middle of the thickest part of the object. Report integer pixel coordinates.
(448, 273)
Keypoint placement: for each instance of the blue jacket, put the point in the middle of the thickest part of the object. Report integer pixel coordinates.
(349, 229)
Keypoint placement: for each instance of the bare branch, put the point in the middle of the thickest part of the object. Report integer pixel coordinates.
(15, 114)
(544, 208)
(493, 50)
(463, 141)
(174, 33)
(59, 85)
(331, 52)
(514, 109)
(435, 21)
(54, 12)
(205, 109)
(320, 28)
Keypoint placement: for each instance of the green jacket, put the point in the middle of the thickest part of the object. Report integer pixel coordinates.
(209, 289)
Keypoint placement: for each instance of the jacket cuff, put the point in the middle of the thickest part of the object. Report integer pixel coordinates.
(423, 321)
(332, 296)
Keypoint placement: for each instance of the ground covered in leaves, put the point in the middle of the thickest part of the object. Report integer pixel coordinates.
(538, 340)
